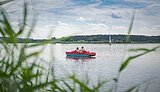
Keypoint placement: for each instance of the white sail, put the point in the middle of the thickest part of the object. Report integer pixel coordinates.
(110, 39)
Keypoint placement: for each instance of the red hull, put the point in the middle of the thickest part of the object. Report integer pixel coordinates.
(83, 53)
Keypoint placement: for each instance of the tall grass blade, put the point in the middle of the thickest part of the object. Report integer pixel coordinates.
(36, 80)
(33, 54)
(21, 59)
(37, 44)
(25, 13)
(3, 74)
(41, 85)
(1, 31)
(56, 87)
(100, 84)
(126, 62)
(131, 89)
(69, 87)
(130, 27)
(81, 84)
(138, 49)
(5, 2)
(5, 46)
(48, 75)
(8, 29)
(136, 87)
(7, 65)
(2, 62)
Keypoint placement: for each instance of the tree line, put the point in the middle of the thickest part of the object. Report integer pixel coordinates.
(114, 38)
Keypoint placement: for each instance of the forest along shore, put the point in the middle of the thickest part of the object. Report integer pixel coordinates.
(90, 39)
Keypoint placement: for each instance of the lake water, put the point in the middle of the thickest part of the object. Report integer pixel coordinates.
(106, 63)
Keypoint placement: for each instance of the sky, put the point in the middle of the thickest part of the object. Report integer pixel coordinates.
(62, 18)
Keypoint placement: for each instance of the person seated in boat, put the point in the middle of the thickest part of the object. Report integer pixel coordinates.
(82, 50)
(77, 49)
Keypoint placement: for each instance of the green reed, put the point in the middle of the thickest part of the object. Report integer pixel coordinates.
(18, 75)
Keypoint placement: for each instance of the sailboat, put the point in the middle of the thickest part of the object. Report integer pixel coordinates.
(110, 40)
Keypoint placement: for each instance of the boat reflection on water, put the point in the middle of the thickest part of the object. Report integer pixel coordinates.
(80, 59)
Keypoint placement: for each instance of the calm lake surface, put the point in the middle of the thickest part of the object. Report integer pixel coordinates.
(106, 64)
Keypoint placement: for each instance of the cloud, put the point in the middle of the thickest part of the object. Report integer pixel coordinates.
(65, 29)
(156, 27)
(144, 1)
(71, 17)
(113, 15)
(81, 19)
(119, 28)
(152, 9)
(152, 30)
(97, 27)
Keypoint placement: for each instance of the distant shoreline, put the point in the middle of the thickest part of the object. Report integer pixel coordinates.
(89, 39)
(105, 43)
(80, 43)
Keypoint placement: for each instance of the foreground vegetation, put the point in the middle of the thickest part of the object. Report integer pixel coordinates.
(18, 74)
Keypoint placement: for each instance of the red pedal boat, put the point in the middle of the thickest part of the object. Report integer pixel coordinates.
(80, 54)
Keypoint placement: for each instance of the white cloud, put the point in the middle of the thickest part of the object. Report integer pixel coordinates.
(80, 19)
(98, 0)
(143, 1)
(121, 29)
(64, 29)
(156, 27)
(43, 32)
(97, 27)
(91, 15)
(152, 30)
(154, 5)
